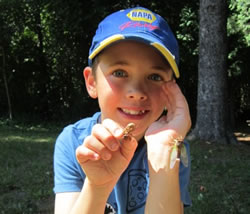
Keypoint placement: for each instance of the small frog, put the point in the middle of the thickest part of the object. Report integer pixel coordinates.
(127, 131)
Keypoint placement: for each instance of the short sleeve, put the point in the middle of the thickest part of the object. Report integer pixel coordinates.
(68, 176)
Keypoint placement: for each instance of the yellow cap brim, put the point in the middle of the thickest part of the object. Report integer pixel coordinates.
(164, 51)
(105, 43)
(170, 58)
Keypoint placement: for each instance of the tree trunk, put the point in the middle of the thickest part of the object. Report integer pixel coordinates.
(212, 122)
(6, 83)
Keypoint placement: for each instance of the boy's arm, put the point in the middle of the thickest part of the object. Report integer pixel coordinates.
(164, 189)
(65, 201)
(90, 200)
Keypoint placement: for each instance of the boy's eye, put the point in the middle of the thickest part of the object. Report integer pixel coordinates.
(120, 73)
(155, 77)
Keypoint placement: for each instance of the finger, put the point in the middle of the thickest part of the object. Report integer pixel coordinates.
(83, 154)
(95, 145)
(128, 147)
(169, 94)
(176, 96)
(113, 127)
(178, 103)
(169, 103)
(105, 136)
(170, 109)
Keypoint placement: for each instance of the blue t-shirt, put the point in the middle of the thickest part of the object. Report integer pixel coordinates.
(130, 193)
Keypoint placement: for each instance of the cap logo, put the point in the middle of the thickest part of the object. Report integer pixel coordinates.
(141, 15)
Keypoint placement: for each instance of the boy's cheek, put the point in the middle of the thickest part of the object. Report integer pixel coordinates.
(114, 86)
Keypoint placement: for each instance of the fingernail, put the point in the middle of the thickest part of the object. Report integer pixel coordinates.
(126, 138)
(106, 156)
(118, 132)
(95, 157)
(114, 146)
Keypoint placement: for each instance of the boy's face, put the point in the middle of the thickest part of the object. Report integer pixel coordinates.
(128, 83)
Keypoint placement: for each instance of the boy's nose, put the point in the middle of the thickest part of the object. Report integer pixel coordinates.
(136, 95)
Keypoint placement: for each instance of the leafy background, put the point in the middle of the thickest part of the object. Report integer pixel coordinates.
(46, 45)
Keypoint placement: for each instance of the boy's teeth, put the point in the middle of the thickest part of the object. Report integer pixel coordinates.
(133, 112)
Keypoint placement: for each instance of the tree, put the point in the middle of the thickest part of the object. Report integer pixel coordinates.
(2, 54)
(212, 123)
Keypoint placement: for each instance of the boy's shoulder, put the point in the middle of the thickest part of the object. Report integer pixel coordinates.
(81, 128)
(85, 122)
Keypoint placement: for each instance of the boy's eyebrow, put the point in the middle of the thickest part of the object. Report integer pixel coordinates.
(154, 67)
(120, 62)
(160, 68)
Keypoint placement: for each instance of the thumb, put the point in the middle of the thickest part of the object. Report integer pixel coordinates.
(128, 147)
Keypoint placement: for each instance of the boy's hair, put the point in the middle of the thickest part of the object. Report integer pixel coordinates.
(94, 65)
(136, 24)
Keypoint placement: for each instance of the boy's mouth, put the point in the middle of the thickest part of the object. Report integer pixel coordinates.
(133, 112)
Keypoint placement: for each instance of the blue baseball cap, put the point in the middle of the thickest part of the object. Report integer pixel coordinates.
(138, 24)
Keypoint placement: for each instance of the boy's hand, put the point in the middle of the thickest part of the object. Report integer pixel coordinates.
(175, 124)
(102, 156)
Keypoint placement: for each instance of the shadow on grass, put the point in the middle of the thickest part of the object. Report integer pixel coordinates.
(220, 178)
(26, 169)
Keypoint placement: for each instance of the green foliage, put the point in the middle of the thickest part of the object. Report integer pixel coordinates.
(239, 22)
(238, 58)
(187, 35)
(47, 42)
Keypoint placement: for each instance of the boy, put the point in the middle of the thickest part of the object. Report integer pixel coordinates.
(133, 61)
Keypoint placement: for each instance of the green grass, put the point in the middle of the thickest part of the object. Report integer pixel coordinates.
(220, 179)
(26, 170)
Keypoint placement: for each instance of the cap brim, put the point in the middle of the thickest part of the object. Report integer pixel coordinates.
(146, 39)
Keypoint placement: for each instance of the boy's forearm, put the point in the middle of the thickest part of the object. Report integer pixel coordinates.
(164, 188)
(92, 199)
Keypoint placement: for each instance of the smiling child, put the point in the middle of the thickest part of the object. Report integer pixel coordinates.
(133, 63)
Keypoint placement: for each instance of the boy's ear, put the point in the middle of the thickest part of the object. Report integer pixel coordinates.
(90, 82)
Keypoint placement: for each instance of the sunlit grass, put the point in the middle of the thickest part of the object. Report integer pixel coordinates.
(26, 139)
